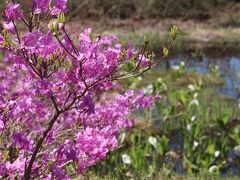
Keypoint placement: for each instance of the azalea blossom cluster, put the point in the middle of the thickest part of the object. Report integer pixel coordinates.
(59, 109)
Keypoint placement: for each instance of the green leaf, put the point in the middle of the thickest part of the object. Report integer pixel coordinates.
(39, 61)
(174, 32)
(61, 18)
(51, 25)
(146, 41)
(210, 149)
(165, 51)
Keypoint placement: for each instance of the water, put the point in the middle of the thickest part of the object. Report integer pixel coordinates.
(229, 69)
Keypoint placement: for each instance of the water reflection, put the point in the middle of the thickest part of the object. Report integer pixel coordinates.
(229, 69)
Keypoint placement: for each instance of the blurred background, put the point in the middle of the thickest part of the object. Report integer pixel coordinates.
(211, 26)
(193, 132)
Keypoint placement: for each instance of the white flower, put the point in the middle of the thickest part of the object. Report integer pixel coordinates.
(148, 89)
(153, 141)
(194, 102)
(189, 127)
(182, 64)
(139, 78)
(217, 153)
(237, 150)
(195, 95)
(217, 67)
(191, 87)
(122, 137)
(195, 144)
(175, 68)
(193, 118)
(126, 159)
(159, 80)
(212, 169)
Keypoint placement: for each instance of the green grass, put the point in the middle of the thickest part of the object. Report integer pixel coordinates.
(189, 42)
(165, 176)
(215, 128)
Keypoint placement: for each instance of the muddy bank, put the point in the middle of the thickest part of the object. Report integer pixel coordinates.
(212, 37)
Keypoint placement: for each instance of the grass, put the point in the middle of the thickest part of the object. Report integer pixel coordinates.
(217, 35)
(216, 118)
(207, 41)
(183, 144)
(165, 176)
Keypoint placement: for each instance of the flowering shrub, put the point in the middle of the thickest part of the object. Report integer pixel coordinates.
(56, 118)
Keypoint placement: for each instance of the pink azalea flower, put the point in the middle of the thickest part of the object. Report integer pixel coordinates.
(13, 12)
(41, 6)
(9, 27)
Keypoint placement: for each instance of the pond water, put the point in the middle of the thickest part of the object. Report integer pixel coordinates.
(229, 69)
